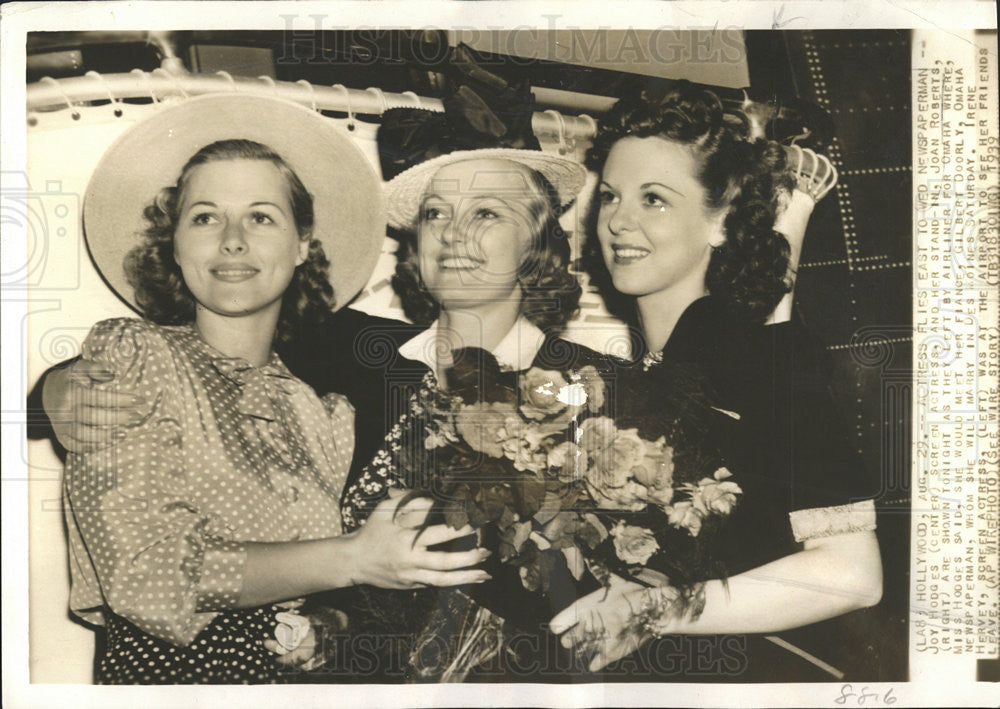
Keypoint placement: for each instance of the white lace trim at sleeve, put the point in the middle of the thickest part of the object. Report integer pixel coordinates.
(831, 521)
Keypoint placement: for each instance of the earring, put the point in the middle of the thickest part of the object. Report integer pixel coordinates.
(718, 239)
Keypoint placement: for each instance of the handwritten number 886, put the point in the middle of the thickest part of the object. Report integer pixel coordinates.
(864, 696)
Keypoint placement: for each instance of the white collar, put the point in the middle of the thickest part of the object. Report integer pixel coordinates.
(517, 349)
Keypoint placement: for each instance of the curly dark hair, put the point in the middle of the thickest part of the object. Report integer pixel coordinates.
(550, 293)
(159, 284)
(743, 177)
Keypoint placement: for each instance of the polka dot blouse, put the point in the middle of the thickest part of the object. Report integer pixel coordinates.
(219, 454)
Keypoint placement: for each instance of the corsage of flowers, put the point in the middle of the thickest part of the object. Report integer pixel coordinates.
(296, 621)
(291, 630)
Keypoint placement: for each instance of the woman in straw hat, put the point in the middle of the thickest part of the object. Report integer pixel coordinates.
(221, 497)
(685, 226)
(483, 268)
(483, 264)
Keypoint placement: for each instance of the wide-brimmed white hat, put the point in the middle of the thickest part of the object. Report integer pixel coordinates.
(404, 192)
(347, 198)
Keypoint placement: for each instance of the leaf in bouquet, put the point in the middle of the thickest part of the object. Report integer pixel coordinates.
(514, 537)
(507, 518)
(589, 536)
(593, 532)
(522, 531)
(554, 484)
(529, 493)
(571, 494)
(491, 472)
(531, 578)
(455, 516)
(574, 561)
(546, 564)
(458, 488)
(503, 389)
(528, 563)
(561, 529)
(493, 503)
(551, 504)
(476, 514)
(549, 559)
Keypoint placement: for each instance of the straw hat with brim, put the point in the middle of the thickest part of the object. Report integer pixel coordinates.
(347, 199)
(404, 192)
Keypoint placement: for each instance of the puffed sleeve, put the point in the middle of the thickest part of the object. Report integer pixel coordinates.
(143, 547)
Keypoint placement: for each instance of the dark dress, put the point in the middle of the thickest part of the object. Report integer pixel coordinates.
(357, 355)
(790, 451)
(394, 619)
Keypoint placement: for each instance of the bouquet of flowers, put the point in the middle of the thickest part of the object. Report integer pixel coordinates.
(561, 486)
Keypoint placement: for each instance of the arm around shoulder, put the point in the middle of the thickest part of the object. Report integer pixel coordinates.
(142, 546)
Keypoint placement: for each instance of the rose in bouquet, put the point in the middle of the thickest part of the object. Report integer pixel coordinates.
(562, 490)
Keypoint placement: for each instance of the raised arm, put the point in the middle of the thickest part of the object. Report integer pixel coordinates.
(814, 177)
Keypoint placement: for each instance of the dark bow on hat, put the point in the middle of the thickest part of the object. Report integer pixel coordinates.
(481, 110)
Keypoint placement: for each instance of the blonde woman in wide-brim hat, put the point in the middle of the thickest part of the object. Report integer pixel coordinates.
(219, 220)
(483, 262)
(483, 266)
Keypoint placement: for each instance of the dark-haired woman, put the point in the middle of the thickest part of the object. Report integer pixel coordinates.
(222, 497)
(685, 225)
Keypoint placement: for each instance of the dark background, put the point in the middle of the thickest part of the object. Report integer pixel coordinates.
(854, 286)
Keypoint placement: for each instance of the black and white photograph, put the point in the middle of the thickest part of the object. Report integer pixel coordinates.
(531, 357)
